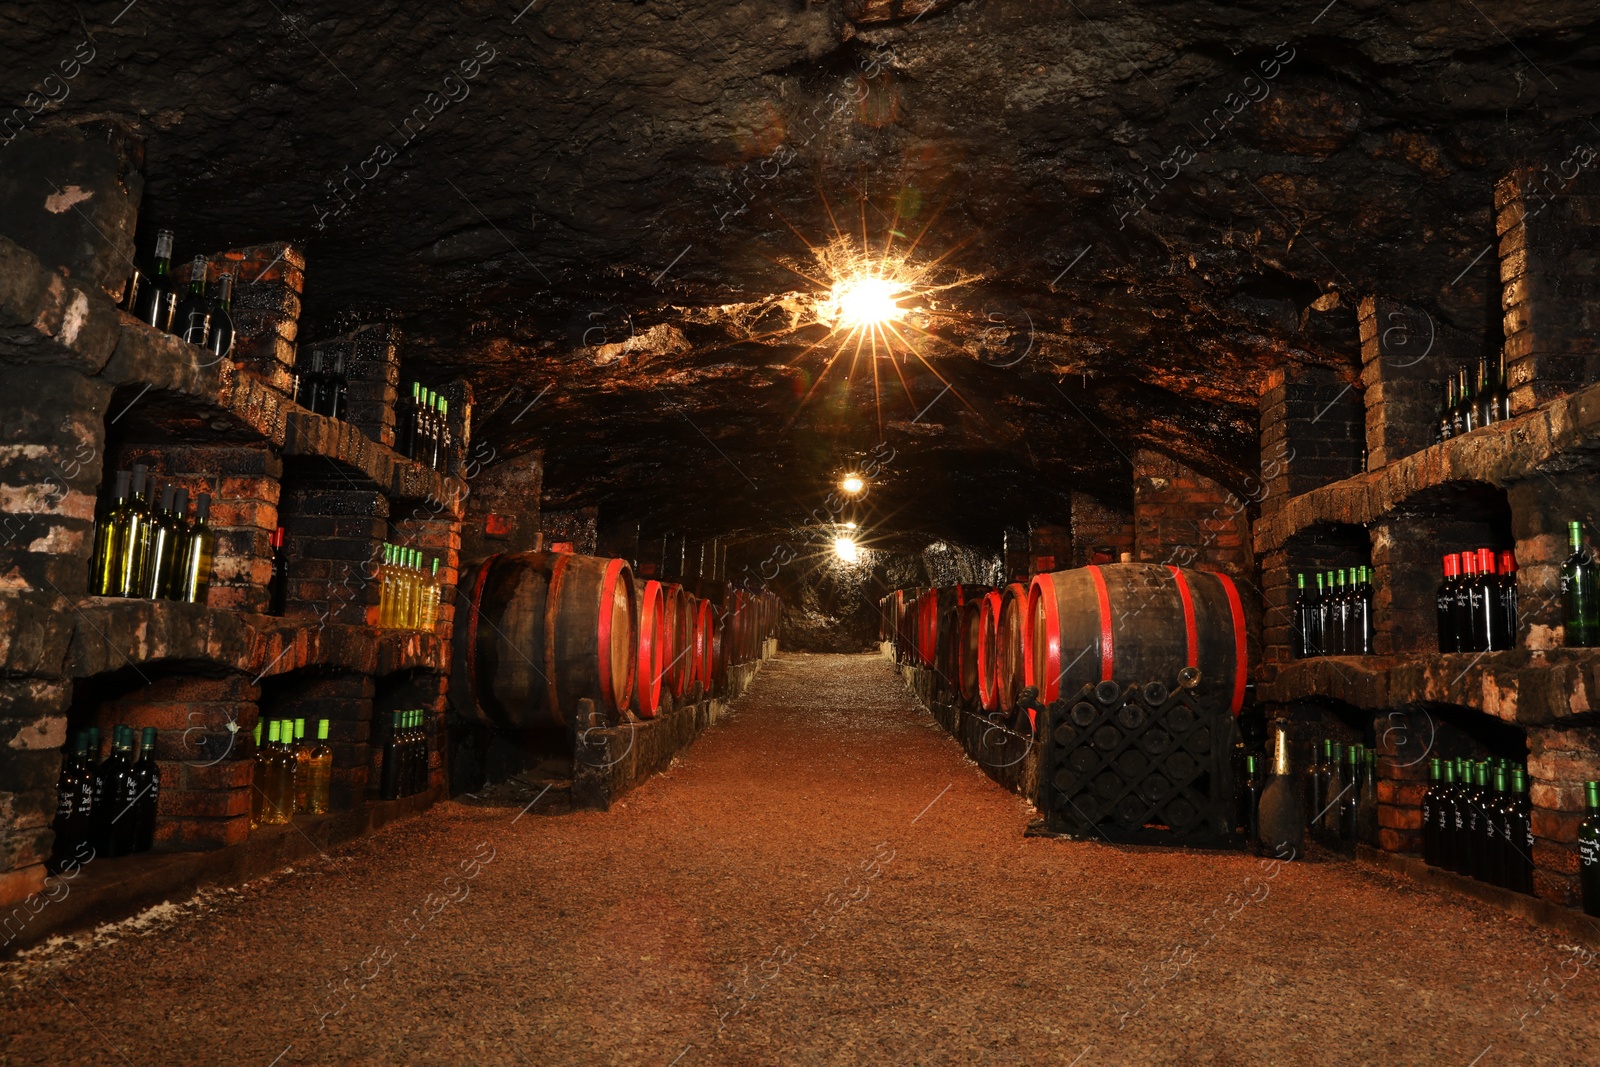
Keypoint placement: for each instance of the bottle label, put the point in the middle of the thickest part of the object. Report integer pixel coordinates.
(1460, 823)
(1589, 852)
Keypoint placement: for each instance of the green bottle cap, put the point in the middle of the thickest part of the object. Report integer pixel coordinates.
(1575, 534)
(1447, 771)
(1300, 580)
(436, 566)
(148, 737)
(1250, 765)
(272, 731)
(444, 406)
(1319, 582)
(258, 733)
(322, 730)
(1499, 779)
(299, 729)
(416, 391)
(1327, 747)
(1591, 789)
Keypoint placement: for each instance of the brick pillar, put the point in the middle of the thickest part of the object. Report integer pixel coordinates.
(268, 281)
(374, 372)
(1100, 532)
(502, 509)
(1560, 761)
(334, 541)
(1183, 518)
(1311, 433)
(52, 444)
(33, 729)
(1406, 357)
(1049, 548)
(1404, 743)
(205, 767)
(1549, 230)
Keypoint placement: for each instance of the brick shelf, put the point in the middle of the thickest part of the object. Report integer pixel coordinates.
(1561, 436)
(1518, 686)
(111, 634)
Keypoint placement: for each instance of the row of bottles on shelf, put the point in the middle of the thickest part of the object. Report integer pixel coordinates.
(108, 804)
(291, 775)
(1334, 801)
(151, 550)
(409, 597)
(1334, 618)
(422, 428)
(322, 385)
(1580, 592)
(1477, 602)
(1468, 407)
(405, 756)
(152, 297)
(1476, 821)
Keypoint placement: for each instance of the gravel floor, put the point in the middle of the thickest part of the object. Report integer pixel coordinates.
(822, 878)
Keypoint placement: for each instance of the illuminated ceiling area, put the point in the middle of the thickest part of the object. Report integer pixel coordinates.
(707, 256)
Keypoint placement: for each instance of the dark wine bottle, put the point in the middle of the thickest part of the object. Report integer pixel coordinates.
(1350, 797)
(192, 321)
(220, 340)
(389, 774)
(405, 422)
(1501, 391)
(1499, 811)
(1363, 627)
(1446, 427)
(1521, 873)
(447, 439)
(1282, 823)
(1367, 814)
(278, 590)
(1430, 815)
(1483, 402)
(1478, 820)
(1589, 851)
(72, 813)
(337, 387)
(1466, 403)
(158, 296)
(1469, 596)
(146, 776)
(1580, 598)
(1320, 779)
(311, 382)
(1508, 600)
(1316, 637)
(112, 831)
(1297, 624)
(1449, 636)
(1486, 624)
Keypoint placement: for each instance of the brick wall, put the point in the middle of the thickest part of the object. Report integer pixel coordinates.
(268, 281)
(1099, 531)
(1182, 517)
(1312, 432)
(334, 539)
(578, 526)
(1049, 548)
(1549, 230)
(1406, 357)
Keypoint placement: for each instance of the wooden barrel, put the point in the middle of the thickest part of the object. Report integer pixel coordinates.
(1011, 665)
(988, 651)
(952, 600)
(904, 607)
(703, 652)
(680, 624)
(967, 650)
(539, 631)
(650, 648)
(1135, 622)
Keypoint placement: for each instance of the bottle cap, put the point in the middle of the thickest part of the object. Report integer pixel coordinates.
(202, 507)
(1508, 562)
(1469, 563)
(277, 538)
(180, 502)
(124, 479)
(197, 272)
(272, 731)
(299, 729)
(224, 288)
(258, 733)
(166, 496)
(148, 736)
(416, 390)
(322, 730)
(436, 567)
(1452, 566)
(163, 244)
(141, 472)
(1485, 561)
(444, 406)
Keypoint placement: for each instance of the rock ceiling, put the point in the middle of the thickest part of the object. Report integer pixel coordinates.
(608, 215)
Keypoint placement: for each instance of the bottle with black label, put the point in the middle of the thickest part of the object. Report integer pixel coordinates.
(192, 320)
(157, 296)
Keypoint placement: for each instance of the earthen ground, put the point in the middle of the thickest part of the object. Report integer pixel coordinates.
(822, 878)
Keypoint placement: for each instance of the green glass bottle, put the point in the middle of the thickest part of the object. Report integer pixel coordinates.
(104, 577)
(1579, 596)
(1521, 835)
(1589, 851)
(200, 546)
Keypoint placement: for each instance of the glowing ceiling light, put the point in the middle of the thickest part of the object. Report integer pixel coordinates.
(852, 484)
(863, 301)
(846, 549)
(849, 526)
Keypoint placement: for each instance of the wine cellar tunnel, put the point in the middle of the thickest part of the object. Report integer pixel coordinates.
(883, 531)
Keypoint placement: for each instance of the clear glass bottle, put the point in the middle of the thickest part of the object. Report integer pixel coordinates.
(302, 767)
(321, 771)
